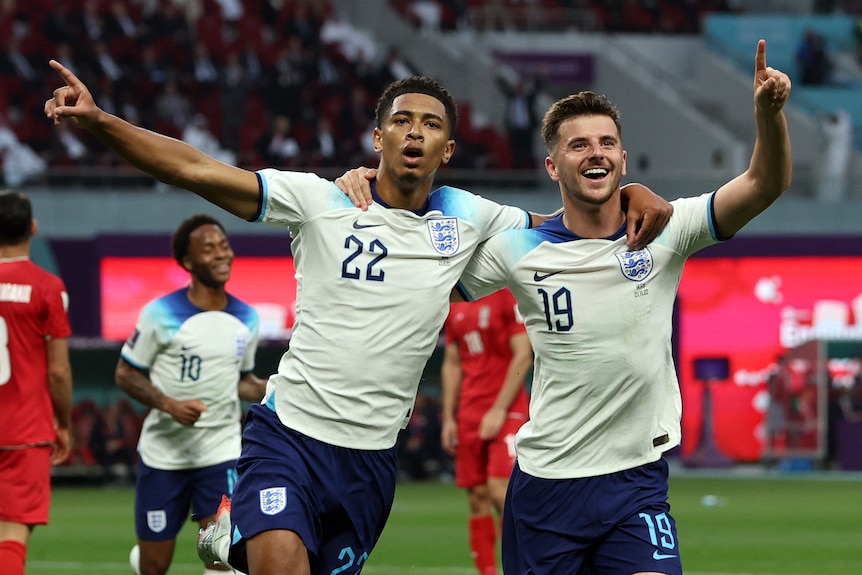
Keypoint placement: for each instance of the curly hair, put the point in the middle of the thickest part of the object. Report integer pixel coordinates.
(417, 85)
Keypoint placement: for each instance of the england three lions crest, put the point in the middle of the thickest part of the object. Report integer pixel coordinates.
(273, 500)
(636, 266)
(444, 235)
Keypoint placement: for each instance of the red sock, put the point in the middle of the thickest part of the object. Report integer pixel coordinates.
(483, 541)
(12, 555)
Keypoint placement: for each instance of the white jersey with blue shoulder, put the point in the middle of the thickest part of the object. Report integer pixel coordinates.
(372, 296)
(192, 353)
(605, 396)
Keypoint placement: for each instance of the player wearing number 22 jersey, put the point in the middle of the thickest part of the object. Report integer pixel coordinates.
(373, 291)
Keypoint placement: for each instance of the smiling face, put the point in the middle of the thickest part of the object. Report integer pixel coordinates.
(587, 159)
(209, 257)
(413, 139)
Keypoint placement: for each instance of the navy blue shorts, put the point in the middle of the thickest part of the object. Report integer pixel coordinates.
(163, 498)
(615, 524)
(336, 499)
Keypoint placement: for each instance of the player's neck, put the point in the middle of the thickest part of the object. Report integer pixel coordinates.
(16, 252)
(206, 297)
(591, 220)
(399, 195)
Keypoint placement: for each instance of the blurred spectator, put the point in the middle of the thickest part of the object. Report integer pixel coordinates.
(395, 67)
(68, 148)
(321, 149)
(20, 163)
(17, 71)
(92, 21)
(121, 427)
(87, 431)
(420, 452)
(521, 120)
(197, 134)
(173, 109)
(204, 70)
(812, 59)
(107, 66)
(834, 165)
(253, 66)
(231, 10)
(60, 25)
(426, 14)
(286, 78)
(233, 91)
(278, 147)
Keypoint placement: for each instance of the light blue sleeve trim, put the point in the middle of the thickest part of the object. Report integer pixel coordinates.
(264, 196)
(134, 364)
(713, 229)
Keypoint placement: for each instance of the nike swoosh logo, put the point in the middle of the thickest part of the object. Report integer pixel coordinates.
(358, 226)
(537, 277)
(659, 556)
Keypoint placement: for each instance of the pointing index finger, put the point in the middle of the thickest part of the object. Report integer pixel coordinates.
(760, 58)
(70, 78)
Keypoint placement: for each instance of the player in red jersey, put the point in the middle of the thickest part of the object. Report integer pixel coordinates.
(35, 382)
(487, 356)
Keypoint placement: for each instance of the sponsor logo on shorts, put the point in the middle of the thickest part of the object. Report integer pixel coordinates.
(157, 520)
(659, 556)
(273, 500)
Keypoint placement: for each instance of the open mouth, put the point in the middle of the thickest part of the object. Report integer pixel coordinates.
(595, 173)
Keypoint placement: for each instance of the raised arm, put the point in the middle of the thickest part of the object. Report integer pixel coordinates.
(167, 159)
(770, 170)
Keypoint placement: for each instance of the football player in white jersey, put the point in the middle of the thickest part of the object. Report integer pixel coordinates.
(589, 491)
(317, 472)
(190, 359)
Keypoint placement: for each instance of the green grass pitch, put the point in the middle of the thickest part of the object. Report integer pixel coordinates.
(795, 525)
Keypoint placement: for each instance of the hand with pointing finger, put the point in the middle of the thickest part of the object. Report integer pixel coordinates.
(72, 101)
(771, 86)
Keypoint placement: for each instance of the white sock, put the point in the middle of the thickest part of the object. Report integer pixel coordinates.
(135, 559)
(221, 543)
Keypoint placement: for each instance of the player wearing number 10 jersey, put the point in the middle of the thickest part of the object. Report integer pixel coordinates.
(35, 382)
(190, 359)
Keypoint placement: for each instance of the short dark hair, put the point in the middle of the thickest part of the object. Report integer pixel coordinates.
(584, 103)
(181, 238)
(417, 85)
(16, 218)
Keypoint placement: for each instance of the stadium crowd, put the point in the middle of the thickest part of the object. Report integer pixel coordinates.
(282, 83)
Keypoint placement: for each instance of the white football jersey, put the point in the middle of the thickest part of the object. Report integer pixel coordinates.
(605, 396)
(191, 353)
(372, 296)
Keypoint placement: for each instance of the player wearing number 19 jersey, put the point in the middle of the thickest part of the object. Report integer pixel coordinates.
(605, 400)
(35, 382)
(589, 493)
